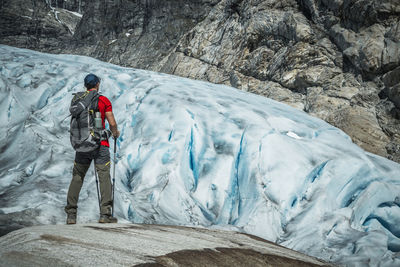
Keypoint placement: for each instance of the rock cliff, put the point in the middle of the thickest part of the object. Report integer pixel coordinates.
(337, 60)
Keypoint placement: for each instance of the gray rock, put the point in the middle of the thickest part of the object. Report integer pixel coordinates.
(136, 33)
(142, 245)
(392, 82)
(394, 95)
(36, 25)
(363, 127)
(392, 78)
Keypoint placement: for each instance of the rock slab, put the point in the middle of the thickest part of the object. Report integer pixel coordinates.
(142, 245)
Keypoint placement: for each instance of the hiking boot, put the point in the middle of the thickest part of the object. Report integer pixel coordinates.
(71, 219)
(107, 219)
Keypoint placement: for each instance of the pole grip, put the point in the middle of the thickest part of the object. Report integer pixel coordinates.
(115, 145)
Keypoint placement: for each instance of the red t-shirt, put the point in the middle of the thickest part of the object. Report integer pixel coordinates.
(104, 106)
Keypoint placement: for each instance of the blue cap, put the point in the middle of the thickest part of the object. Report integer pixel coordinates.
(91, 81)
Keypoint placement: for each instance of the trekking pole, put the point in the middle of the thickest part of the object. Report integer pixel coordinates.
(97, 185)
(113, 185)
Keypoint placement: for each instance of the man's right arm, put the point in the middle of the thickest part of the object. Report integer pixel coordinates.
(113, 124)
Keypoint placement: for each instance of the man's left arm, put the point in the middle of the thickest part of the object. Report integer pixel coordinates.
(112, 123)
(110, 117)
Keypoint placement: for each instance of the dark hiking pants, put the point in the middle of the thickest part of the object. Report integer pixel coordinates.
(82, 162)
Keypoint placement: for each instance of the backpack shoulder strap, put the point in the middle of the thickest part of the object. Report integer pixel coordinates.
(79, 96)
(94, 103)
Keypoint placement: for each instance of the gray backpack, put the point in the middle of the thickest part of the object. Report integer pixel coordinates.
(84, 136)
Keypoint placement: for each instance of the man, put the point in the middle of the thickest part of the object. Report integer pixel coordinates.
(101, 157)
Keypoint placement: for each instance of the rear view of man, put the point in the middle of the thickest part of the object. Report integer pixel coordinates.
(91, 143)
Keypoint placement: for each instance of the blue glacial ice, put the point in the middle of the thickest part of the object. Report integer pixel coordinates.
(195, 153)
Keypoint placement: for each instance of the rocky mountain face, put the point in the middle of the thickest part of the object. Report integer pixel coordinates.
(338, 60)
(36, 25)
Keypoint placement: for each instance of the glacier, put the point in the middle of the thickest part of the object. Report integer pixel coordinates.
(197, 154)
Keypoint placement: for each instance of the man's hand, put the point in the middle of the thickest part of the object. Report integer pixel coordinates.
(116, 134)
